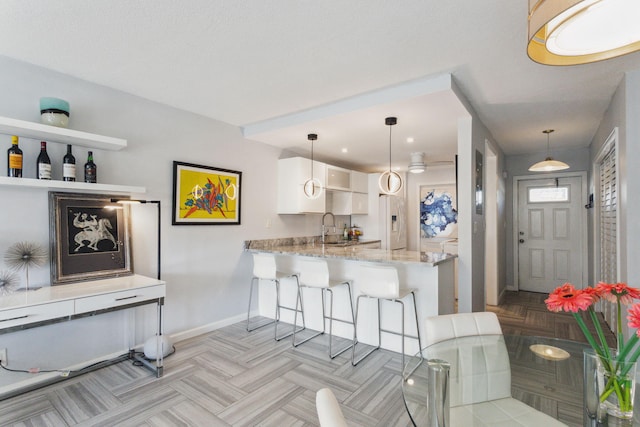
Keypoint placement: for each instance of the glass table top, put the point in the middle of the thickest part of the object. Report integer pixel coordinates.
(544, 373)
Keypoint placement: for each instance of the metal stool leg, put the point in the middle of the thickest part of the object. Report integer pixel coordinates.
(354, 362)
(323, 293)
(295, 310)
(249, 328)
(402, 329)
(293, 342)
(331, 319)
(415, 310)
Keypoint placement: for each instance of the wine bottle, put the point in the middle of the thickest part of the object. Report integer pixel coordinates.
(90, 170)
(43, 167)
(68, 166)
(14, 159)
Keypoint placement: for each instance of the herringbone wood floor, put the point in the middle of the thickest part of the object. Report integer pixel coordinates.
(233, 378)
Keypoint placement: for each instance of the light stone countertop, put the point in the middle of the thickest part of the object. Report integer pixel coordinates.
(359, 253)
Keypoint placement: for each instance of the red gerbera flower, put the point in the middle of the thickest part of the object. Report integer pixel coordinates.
(596, 293)
(634, 318)
(613, 292)
(568, 298)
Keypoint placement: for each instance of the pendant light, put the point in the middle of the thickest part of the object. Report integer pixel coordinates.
(312, 187)
(548, 164)
(417, 164)
(390, 182)
(572, 32)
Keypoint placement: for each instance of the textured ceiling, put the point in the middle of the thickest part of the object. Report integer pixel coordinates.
(244, 62)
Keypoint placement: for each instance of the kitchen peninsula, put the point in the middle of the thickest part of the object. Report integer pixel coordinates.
(430, 273)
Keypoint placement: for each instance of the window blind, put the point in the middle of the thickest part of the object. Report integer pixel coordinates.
(608, 226)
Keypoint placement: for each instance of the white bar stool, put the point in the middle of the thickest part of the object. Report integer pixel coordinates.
(264, 268)
(381, 282)
(314, 273)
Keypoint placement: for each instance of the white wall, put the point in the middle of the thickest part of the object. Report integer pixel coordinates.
(613, 117)
(206, 271)
(472, 136)
(631, 181)
(623, 113)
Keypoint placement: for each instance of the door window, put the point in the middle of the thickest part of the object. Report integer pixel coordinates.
(548, 194)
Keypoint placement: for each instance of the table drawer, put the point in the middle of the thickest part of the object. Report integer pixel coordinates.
(117, 299)
(35, 313)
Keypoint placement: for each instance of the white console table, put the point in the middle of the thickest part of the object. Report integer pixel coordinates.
(60, 303)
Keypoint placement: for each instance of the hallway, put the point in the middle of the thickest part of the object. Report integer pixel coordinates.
(525, 313)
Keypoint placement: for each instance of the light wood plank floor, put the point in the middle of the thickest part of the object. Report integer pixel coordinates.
(233, 378)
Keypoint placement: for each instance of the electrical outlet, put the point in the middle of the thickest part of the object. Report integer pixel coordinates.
(3, 357)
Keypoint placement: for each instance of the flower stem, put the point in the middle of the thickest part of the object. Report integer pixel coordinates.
(587, 334)
(601, 337)
(619, 327)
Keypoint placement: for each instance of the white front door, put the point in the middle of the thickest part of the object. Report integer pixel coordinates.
(550, 233)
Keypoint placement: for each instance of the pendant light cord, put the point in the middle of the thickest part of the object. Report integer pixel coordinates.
(312, 137)
(312, 159)
(390, 126)
(548, 132)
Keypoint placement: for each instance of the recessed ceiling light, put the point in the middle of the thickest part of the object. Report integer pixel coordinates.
(345, 150)
(410, 140)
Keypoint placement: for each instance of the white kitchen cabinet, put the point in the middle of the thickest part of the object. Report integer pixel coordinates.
(338, 178)
(292, 174)
(349, 203)
(359, 182)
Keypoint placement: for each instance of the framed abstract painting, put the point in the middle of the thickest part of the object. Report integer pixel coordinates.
(438, 212)
(205, 195)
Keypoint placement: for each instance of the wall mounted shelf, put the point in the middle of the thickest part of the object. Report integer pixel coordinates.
(69, 186)
(49, 133)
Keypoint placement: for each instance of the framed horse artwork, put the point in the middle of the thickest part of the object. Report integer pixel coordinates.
(89, 237)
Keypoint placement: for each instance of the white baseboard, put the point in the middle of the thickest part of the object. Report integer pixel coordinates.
(210, 327)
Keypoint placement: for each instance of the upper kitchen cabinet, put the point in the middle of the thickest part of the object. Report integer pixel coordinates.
(349, 203)
(292, 174)
(338, 178)
(359, 182)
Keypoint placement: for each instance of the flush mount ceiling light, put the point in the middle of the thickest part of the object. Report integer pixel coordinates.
(390, 182)
(548, 164)
(312, 187)
(417, 163)
(572, 32)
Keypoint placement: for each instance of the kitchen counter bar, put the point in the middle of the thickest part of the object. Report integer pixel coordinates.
(362, 253)
(430, 273)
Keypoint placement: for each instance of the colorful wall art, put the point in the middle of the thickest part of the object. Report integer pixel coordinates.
(438, 214)
(204, 195)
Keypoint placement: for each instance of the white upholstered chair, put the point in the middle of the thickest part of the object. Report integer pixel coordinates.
(329, 412)
(480, 379)
(440, 328)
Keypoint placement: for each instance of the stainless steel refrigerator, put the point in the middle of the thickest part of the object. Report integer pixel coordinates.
(393, 222)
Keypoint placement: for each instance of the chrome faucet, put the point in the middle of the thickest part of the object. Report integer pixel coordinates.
(324, 226)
